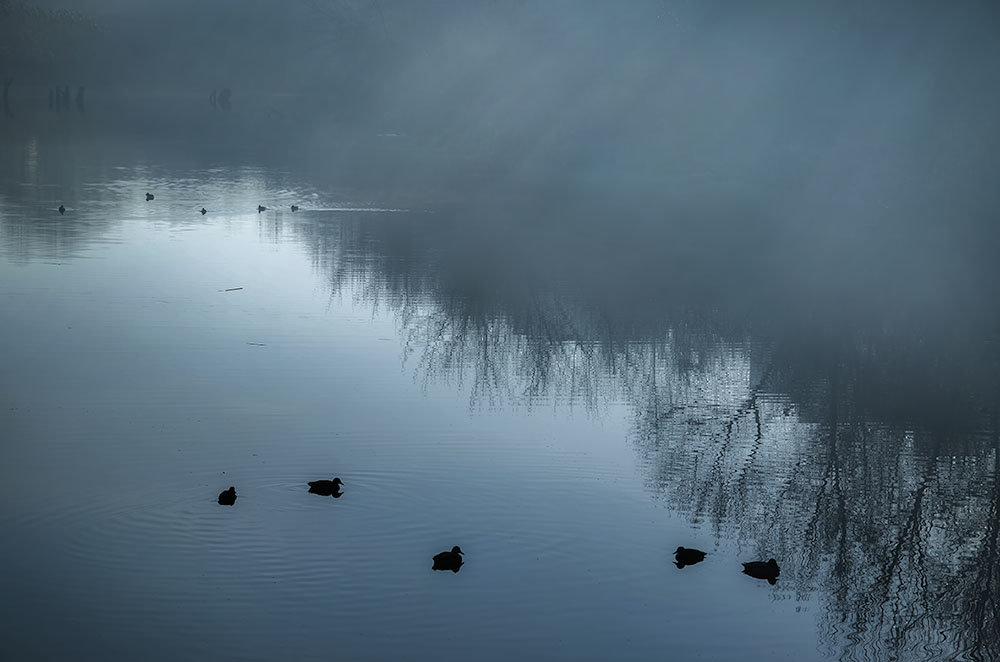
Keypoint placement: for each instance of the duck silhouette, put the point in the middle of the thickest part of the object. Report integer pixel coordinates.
(149, 196)
(687, 556)
(203, 211)
(62, 210)
(227, 497)
(261, 208)
(326, 487)
(449, 560)
(295, 207)
(761, 570)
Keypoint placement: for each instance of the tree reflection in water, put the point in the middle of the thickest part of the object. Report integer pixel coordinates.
(865, 456)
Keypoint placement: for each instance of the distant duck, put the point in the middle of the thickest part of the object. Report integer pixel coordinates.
(261, 208)
(149, 196)
(62, 210)
(449, 560)
(686, 556)
(761, 570)
(295, 207)
(227, 497)
(203, 211)
(326, 487)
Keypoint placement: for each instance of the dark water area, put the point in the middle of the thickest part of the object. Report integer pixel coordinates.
(567, 384)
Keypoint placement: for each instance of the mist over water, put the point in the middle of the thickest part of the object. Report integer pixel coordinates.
(571, 284)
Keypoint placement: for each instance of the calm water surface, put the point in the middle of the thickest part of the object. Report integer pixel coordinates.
(471, 387)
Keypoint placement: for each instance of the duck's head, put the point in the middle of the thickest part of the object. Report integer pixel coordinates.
(680, 550)
(337, 481)
(772, 563)
(456, 550)
(231, 490)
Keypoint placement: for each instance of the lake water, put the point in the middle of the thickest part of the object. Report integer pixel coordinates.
(565, 393)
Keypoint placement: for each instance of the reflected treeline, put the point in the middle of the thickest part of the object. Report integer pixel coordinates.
(526, 293)
(858, 447)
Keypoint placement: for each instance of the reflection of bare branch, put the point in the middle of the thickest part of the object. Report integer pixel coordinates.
(855, 518)
(980, 602)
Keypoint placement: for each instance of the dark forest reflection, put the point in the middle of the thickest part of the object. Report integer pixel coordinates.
(859, 446)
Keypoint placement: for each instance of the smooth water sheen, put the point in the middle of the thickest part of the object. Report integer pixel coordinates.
(472, 388)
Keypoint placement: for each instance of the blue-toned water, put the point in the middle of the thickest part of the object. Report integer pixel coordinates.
(555, 401)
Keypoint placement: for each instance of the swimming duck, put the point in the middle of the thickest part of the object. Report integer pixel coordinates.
(761, 570)
(261, 208)
(688, 556)
(149, 196)
(227, 497)
(449, 560)
(295, 207)
(62, 210)
(203, 211)
(326, 487)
